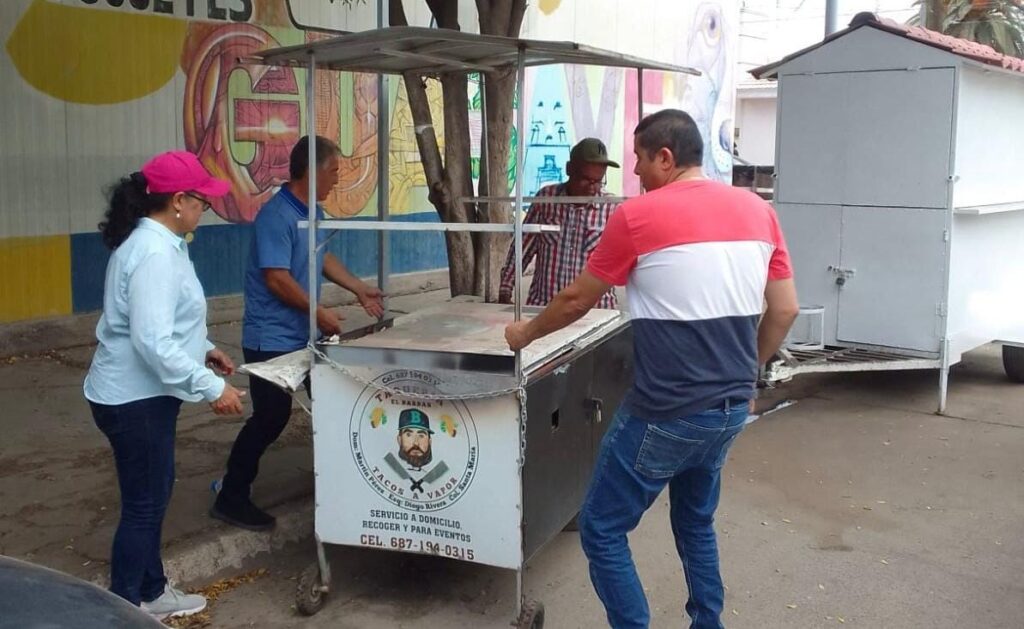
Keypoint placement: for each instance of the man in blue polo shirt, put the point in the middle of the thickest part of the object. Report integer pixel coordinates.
(276, 320)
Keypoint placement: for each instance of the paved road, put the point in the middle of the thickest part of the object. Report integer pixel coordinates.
(856, 507)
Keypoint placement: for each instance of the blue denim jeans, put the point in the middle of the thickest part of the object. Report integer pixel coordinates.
(637, 459)
(142, 436)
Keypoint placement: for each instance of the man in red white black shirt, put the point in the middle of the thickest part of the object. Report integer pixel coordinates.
(562, 256)
(711, 297)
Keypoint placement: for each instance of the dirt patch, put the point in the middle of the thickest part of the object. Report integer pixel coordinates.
(212, 592)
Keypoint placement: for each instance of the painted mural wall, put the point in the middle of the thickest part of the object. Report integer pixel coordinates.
(92, 88)
(567, 103)
(95, 87)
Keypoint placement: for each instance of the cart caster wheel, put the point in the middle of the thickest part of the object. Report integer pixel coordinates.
(309, 598)
(1013, 362)
(532, 616)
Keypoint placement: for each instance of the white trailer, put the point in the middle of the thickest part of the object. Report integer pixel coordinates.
(900, 187)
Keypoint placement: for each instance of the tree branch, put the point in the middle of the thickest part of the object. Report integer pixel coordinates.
(446, 12)
(457, 170)
(503, 18)
(483, 9)
(499, 14)
(396, 13)
(515, 22)
(426, 142)
(458, 182)
(499, 89)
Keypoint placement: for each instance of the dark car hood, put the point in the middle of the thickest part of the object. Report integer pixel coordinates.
(34, 597)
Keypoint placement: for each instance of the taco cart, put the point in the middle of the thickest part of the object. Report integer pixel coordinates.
(430, 436)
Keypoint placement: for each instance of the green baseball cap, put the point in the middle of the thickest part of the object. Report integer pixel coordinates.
(592, 151)
(414, 418)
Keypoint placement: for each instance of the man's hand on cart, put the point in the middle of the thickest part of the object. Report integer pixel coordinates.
(328, 321)
(372, 300)
(219, 361)
(229, 402)
(569, 305)
(517, 335)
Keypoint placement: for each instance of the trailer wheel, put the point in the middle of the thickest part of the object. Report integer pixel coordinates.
(309, 597)
(532, 616)
(1013, 362)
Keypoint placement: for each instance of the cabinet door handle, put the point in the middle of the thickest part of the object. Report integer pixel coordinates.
(842, 274)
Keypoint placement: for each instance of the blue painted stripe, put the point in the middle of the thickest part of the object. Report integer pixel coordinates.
(219, 253)
(88, 267)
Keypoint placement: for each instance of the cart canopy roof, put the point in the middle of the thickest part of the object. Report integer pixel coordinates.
(427, 51)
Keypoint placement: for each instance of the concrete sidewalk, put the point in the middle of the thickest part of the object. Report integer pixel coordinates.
(59, 502)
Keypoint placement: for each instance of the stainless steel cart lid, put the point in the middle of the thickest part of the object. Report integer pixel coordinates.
(467, 336)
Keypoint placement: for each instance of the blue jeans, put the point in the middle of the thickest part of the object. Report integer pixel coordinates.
(142, 436)
(637, 459)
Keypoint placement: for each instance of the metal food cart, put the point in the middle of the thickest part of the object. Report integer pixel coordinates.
(430, 436)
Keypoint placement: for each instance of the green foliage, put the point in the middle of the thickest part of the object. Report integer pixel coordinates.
(512, 159)
(996, 23)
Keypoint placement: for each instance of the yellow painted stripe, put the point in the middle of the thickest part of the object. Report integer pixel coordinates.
(35, 277)
(83, 55)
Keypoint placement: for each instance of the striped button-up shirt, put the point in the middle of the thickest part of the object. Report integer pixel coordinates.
(562, 256)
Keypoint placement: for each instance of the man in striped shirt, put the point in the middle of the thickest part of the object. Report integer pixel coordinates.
(711, 296)
(562, 256)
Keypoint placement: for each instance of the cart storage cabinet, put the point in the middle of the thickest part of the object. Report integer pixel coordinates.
(900, 188)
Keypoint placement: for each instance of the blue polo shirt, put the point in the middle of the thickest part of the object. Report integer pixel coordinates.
(278, 243)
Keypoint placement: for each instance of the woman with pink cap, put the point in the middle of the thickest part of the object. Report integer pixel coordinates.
(153, 354)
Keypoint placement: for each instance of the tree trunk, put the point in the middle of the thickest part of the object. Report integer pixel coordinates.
(503, 18)
(499, 92)
(463, 247)
(445, 181)
(474, 260)
(459, 184)
(934, 12)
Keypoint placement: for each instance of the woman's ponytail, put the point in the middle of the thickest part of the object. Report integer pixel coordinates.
(128, 202)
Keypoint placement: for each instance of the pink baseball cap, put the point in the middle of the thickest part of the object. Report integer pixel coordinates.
(180, 171)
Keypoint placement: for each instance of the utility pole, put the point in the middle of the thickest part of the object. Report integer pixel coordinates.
(831, 16)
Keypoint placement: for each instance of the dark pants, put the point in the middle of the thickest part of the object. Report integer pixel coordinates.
(271, 408)
(142, 435)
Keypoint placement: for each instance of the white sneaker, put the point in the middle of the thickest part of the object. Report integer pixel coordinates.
(174, 603)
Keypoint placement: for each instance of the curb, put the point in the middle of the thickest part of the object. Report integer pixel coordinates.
(202, 556)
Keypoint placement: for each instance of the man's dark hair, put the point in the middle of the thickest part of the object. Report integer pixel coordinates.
(674, 130)
(298, 162)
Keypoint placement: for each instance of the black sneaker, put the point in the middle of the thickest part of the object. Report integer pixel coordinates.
(245, 515)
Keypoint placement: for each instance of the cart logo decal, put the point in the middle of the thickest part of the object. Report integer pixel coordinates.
(419, 454)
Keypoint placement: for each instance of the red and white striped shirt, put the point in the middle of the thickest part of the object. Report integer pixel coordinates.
(561, 256)
(695, 256)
